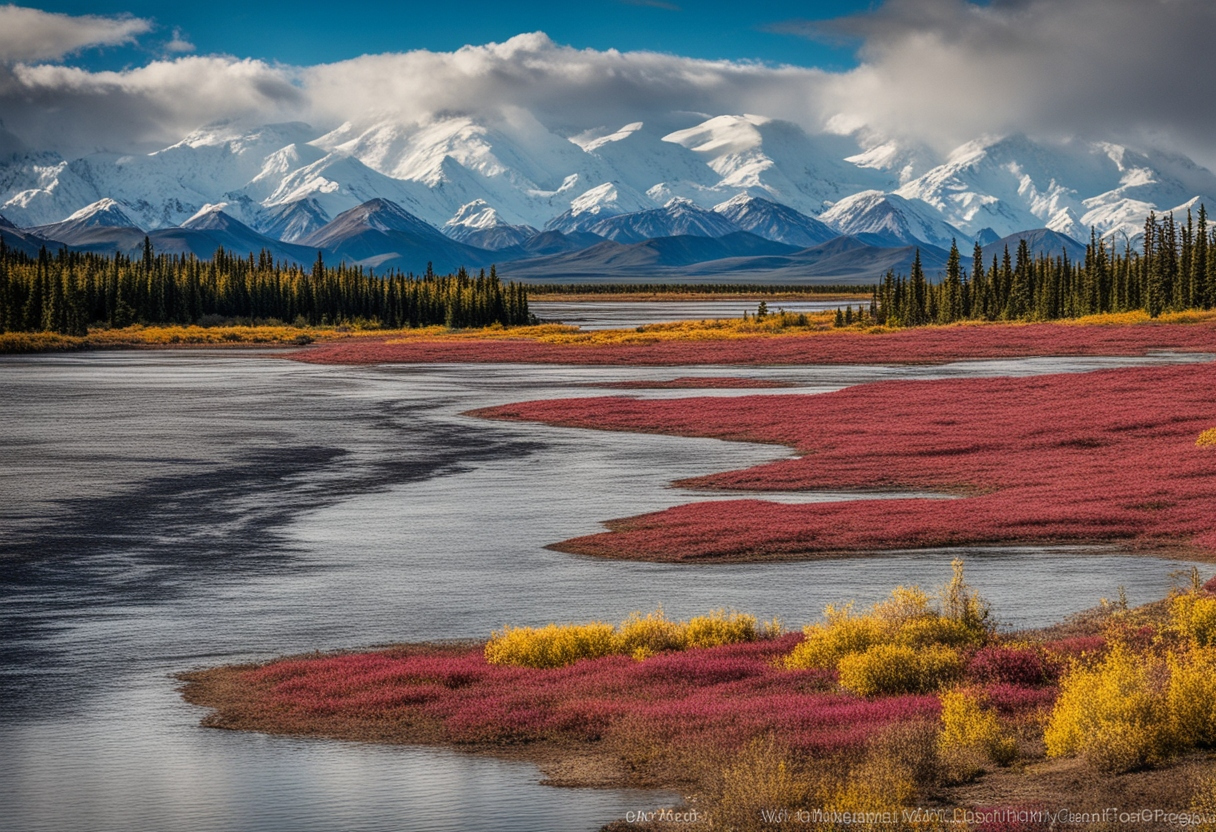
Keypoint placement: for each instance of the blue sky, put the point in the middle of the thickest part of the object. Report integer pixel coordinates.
(305, 33)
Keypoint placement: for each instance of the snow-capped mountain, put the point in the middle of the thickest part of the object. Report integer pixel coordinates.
(105, 213)
(292, 221)
(891, 220)
(381, 234)
(596, 204)
(1012, 183)
(772, 221)
(478, 224)
(490, 183)
(678, 218)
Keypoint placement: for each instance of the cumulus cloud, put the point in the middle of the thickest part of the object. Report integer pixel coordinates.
(34, 35)
(71, 109)
(949, 70)
(570, 89)
(937, 71)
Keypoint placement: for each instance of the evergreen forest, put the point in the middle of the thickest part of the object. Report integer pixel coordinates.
(1174, 270)
(67, 292)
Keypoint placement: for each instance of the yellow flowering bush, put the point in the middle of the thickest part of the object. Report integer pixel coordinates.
(551, 646)
(1207, 439)
(1191, 698)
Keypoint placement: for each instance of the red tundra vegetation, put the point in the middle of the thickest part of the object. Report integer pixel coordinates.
(1076, 458)
(926, 345)
(742, 729)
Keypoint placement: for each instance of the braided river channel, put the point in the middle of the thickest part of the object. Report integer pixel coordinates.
(162, 511)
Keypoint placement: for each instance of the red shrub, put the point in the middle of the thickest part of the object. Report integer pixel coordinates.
(1019, 700)
(1011, 665)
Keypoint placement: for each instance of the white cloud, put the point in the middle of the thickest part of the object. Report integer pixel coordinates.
(939, 71)
(75, 110)
(34, 35)
(179, 43)
(950, 70)
(572, 89)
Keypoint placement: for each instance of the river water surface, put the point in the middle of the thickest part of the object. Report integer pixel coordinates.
(164, 511)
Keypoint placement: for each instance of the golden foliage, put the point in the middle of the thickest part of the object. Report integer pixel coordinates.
(1113, 714)
(551, 646)
(1193, 616)
(1207, 439)
(907, 620)
(639, 636)
(972, 736)
(891, 669)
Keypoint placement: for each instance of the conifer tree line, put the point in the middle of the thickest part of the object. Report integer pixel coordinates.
(69, 291)
(1174, 270)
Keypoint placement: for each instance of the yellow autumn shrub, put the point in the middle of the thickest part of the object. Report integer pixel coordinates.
(972, 735)
(891, 669)
(721, 627)
(1191, 698)
(639, 636)
(1114, 714)
(1194, 617)
(907, 618)
(1207, 439)
(842, 633)
(551, 646)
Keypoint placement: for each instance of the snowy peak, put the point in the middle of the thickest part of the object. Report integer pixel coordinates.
(383, 215)
(606, 200)
(590, 142)
(478, 224)
(679, 217)
(475, 215)
(213, 218)
(102, 223)
(105, 213)
(772, 221)
(292, 221)
(889, 219)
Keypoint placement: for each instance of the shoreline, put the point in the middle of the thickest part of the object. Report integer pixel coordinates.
(237, 697)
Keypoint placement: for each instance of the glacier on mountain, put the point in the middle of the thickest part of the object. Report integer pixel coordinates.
(491, 184)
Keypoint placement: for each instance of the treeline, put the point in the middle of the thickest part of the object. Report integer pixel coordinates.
(69, 291)
(694, 289)
(1174, 270)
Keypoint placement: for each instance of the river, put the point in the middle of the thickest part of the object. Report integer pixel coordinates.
(169, 510)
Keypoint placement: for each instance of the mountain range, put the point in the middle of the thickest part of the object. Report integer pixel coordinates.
(696, 197)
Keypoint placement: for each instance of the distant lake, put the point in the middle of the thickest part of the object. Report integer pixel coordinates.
(170, 510)
(626, 314)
